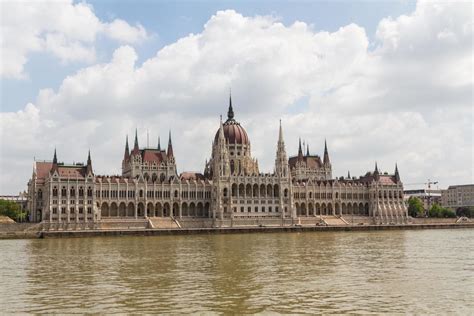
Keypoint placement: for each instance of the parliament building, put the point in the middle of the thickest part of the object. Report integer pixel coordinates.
(230, 191)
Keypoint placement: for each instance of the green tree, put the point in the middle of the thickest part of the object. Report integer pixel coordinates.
(12, 210)
(437, 210)
(415, 207)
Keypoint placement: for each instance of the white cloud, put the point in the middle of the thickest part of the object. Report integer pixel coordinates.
(64, 29)
(385, 104)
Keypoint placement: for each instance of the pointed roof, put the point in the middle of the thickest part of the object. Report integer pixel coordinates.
(307, 149)
(280, 134)
(126, 154)
(89, 162)
(54, 166)
(300, 150)
(55, 158)
(376, 168)
(136, 149)
(159, 143)
(170, 147)
(135, 145)
(348, 174)
(397, 175)
(230, 112)
(326, 154)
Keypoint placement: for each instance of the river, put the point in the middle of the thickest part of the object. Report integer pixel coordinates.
(423, 271)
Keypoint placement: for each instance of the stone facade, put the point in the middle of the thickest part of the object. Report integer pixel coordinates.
(458, 196)
(231, 187)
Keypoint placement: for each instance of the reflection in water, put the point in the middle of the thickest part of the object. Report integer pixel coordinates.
(359, 272)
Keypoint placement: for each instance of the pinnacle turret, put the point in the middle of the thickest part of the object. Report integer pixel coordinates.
(89, 163)
(326, 154)
(397, 175)
(300, 150)
(230, 112)
(169, 152)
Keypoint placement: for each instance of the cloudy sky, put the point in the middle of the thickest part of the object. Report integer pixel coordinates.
(387, 82)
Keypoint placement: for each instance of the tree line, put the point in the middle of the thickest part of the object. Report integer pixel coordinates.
(416, 209)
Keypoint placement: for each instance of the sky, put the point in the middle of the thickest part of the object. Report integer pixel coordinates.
(387, 81)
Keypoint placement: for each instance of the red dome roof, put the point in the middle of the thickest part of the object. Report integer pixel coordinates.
(234, 133)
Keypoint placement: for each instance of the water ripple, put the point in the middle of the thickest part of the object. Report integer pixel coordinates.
(414, 272)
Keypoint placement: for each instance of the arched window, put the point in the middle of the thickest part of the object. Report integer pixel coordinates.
(225, 192)
(40, 194)
(63, 191)
(141, 193)
(286, 193)
(89, 192)
(55, 191)
(72, 192)
(81, 192)
(176, 193)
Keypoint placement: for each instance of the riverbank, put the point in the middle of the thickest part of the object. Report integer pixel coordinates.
(29, 234)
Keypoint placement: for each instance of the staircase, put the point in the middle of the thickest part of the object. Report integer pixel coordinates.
(163, 222)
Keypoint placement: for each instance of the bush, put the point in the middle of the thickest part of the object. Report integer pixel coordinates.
(12, 210)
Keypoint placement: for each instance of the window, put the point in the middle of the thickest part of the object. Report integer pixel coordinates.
(55, 191)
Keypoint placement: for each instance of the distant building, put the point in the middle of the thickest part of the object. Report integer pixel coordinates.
(458, 196)
(427, 196)
(21, 199)
(230, 186)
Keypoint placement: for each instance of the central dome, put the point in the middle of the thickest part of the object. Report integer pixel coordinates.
(233, 132)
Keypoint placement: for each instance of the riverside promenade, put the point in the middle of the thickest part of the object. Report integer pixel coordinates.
(36, 230)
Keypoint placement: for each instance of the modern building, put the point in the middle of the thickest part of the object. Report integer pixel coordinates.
(427, 196)
(230, 187)
(458, 196)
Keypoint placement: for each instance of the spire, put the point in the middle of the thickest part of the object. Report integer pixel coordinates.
(397, 175)
(300, 150)
(170, 147)
(230, 112)
(348, 174)
(307, 149)
(89, 163)
(281, 162)
(135, 145)
(159, 143)
(326, 154)
(55, 162)
(280, 134)
(376, 168)
(55, 158)
(126, 154)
